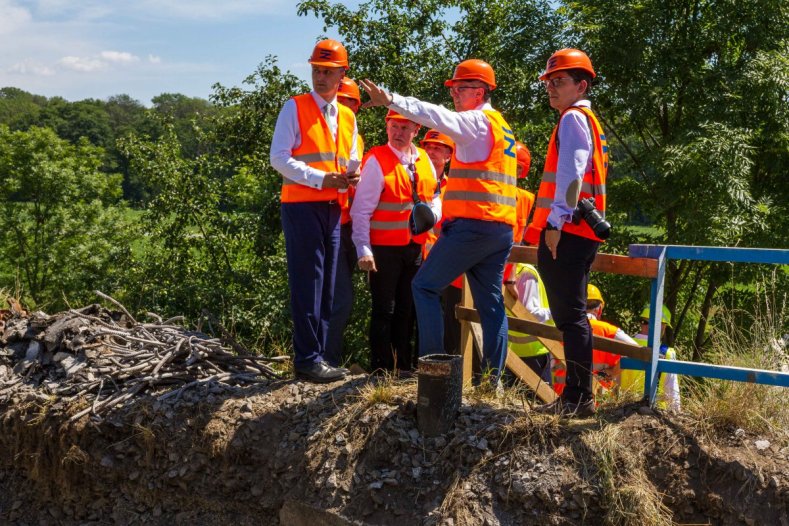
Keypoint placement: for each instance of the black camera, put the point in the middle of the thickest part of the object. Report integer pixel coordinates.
(586, 210)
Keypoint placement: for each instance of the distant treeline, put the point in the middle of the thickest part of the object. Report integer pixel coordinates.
(103, 122)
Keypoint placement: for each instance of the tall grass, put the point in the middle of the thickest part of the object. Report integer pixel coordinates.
(756, 340)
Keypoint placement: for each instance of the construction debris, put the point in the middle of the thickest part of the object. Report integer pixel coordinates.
(105, 358)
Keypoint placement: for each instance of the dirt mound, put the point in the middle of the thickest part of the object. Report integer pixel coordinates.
(296, 453)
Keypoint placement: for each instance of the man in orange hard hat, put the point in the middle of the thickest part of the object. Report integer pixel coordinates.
(348, 95)
(395, 177)
(479, 206)
(575, 171)
(314, 147)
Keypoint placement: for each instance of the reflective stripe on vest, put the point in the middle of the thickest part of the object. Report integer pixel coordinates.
(318, 149)
(526, 345)
(389, 222)
(592, 185)
(346, 198)
(485, 189)
(632, 381)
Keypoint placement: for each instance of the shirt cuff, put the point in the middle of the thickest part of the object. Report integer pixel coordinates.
(558, 220)
(315, 178)
(364, 250)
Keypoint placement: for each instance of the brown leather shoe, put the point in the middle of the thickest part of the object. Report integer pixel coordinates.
(319, 373)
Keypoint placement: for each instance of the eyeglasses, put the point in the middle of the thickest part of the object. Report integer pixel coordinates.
(644, 322)
(556, 82)
(456, 89)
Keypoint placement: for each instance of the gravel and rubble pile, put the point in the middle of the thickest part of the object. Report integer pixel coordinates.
(103, 359)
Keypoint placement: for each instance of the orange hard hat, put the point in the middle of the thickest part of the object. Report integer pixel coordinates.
(392, 114)
(524, 157)
(473, 69)
(437, 137)
(329, 53)
(568, 58)
(349, 89)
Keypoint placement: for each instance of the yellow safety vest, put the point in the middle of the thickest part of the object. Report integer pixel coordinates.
(526, 345)
(632, 381)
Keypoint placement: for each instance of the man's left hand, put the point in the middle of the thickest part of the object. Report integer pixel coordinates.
(353, 178)
(378, 96)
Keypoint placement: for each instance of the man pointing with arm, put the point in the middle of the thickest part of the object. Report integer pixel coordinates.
(479, 207)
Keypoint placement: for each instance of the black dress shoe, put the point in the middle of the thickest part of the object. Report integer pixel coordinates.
(320, 373)
(567, 409)
(343, 370)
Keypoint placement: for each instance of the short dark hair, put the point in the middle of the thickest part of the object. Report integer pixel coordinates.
(592, 304)
(578, 75)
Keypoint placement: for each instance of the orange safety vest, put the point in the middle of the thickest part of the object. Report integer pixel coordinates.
(346, 198)
(432, 237)
(593, 184)
(485, 189)
(389, 222)
(524, 202)
(318, 149)
(601, 328)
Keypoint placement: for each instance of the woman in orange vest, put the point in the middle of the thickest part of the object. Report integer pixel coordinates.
(575, 169)
(314, 148)
(479, 205)
(393, 177)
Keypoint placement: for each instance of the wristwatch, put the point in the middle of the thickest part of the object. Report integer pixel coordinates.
(549, 226)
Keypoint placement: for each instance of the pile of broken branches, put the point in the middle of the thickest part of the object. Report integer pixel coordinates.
(106, 358)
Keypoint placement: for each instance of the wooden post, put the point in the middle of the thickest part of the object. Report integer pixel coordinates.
(466, 337)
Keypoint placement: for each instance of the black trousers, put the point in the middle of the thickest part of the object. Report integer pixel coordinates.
(392, 305)
(565, 280)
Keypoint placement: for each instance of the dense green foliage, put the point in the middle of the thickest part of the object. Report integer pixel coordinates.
(693, 96)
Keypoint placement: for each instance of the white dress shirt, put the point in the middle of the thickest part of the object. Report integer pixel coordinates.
(529, 295)
(575, 159)
(368, 193)
(287, 137)
(469, 129)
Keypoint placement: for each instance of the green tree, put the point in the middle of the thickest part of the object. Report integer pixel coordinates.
(62, 229)
(695, 94)
(19, 109)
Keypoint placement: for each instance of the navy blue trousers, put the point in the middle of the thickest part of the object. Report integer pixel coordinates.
(312, 243)
(480, 249)
(343, 297)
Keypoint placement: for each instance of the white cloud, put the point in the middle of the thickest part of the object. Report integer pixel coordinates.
(121, 57)
(83, 64)
(12, 17)
(154, 59)
(28, 67)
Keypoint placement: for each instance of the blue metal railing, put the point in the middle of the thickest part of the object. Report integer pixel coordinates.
(663, 253)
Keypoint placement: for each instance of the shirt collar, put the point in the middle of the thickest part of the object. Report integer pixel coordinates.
(321, 102)
(583, 103)
(405, 158)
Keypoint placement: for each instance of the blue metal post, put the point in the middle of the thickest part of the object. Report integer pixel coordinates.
(651, 378)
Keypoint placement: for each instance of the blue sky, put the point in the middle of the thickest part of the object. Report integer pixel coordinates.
(81, 49)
